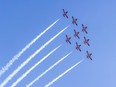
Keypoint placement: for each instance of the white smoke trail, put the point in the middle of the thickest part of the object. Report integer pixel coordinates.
(28, 71)
(61, 75)
(5, 68)
(33, 55)
(51, 67)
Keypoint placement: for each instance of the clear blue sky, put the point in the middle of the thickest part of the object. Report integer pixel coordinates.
(22, 20)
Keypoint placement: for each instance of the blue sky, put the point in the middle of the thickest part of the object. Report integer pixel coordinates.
(21, 21)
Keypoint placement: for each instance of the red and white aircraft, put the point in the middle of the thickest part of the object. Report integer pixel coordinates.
(68, 39)
(86, 41)
(65, 13)
(88, 55)
(76, 34)
(74, 21)
(84, 28)
(78, 47)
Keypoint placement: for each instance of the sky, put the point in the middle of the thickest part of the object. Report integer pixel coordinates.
(22, 20)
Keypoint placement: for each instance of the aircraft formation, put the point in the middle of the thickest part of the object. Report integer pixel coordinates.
(68, 41)
(76, 35)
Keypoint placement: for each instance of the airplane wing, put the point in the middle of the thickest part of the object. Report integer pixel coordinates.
(90, 54)
(90, 58)
(63, 10)
(67, 37)
(87, 39)
(76, 43)
(69, 42)
(86, 27)
(82, 25)
(66, 16)
(86, 32)
(87, 52)
(80, 50)
(84, 38)
(74, 30)
(72, 17)
(88, 44)
(78, 37)
(76, 23)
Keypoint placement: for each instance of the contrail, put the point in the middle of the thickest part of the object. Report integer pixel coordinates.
(33, 55)
(28, 71)
(61, 75)
(7, 66)
(51, 67)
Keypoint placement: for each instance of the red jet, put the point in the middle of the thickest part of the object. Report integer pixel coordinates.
(74, 21)
(86, 41)
(65, 13)
(84, 29)
(78, 47)
(76, 34)
(88, 55)
(68, 39)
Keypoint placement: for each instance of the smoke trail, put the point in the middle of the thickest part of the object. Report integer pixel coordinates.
(5, 68)
(28, 71)
(33, 55)
(51, 67)
(61, 75)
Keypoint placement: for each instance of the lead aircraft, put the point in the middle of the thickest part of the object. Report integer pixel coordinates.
(65, 13)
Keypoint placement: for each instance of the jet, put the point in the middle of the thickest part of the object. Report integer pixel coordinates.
(88, 55)
(84, 29)
(68, 39)
(78, 47)
(65, 13)
(86, 41)
(76, 34)
(74, 21)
